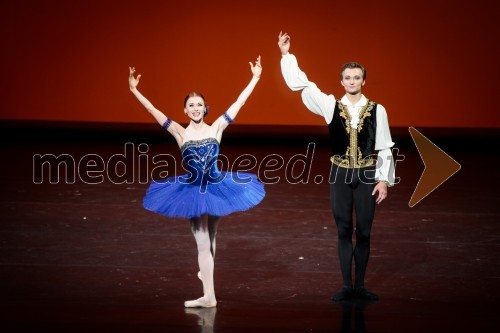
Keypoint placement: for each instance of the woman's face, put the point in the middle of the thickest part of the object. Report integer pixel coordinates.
(195, 108)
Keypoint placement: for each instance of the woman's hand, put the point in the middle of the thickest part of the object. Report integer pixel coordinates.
(132, 81)
(257, 68)
(284, 43)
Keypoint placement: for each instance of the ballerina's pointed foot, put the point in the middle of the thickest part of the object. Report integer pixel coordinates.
(202, 302)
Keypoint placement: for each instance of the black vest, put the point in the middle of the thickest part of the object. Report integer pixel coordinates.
(353, 147)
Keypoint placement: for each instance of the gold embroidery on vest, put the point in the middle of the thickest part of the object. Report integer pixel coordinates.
(353, 157)
(365, 112)
(344, 113)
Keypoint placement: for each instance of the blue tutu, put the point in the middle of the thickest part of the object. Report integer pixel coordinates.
(204, 189)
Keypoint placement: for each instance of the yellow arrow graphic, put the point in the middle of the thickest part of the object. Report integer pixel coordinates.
(439, 166)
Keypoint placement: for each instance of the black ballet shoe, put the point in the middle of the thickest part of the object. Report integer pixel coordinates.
(344, 294)
(364, 294)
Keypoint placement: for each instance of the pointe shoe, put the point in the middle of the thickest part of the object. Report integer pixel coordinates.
(200, 303)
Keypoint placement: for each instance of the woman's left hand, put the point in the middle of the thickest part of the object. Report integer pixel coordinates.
(256, 68)
(132, 81)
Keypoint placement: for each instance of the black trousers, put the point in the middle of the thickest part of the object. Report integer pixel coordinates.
(351, 191)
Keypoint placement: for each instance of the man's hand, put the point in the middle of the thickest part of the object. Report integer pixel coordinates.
(381, 188)
(284, 43)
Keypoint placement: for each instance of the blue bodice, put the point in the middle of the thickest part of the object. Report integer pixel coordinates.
(200, 160)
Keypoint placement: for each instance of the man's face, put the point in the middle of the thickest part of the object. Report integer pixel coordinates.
(352, 80)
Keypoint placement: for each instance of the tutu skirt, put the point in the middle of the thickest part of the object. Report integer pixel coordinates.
(232, 192)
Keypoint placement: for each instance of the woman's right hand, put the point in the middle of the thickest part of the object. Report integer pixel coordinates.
(257, 68)
(132, 81)
(284, 43)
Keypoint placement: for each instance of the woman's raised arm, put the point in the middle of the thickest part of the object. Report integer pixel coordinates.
(171, 126)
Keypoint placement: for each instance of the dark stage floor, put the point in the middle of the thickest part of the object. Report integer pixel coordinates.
(88, 258)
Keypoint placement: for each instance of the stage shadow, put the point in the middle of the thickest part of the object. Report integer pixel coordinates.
(205, 316)
(353, 312)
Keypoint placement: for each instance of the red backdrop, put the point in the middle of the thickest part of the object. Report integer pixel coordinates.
(430, 63)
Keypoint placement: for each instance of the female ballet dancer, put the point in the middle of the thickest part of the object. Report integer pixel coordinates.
(204, 194)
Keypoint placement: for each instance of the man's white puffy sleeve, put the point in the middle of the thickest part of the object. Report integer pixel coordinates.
(383, 144)
(315, 100)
